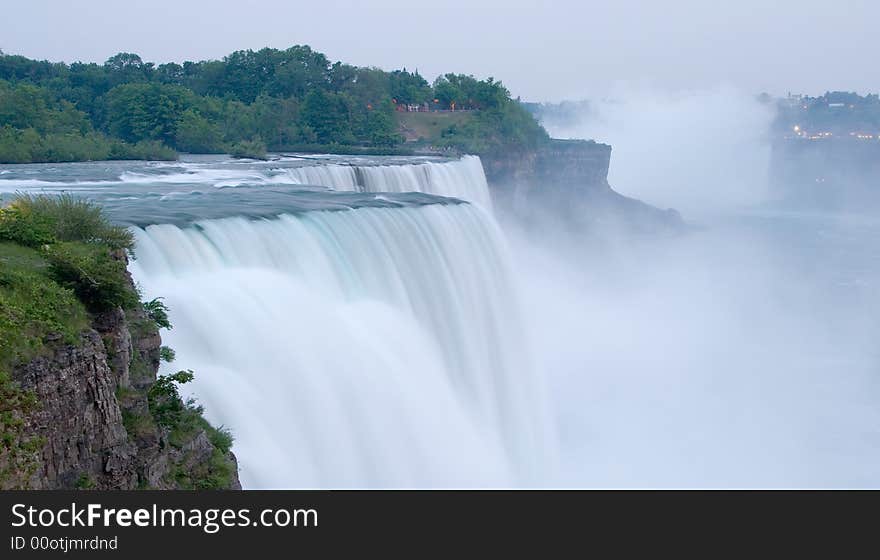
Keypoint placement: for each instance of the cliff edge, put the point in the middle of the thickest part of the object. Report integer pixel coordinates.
(81, 401)
(568, 179)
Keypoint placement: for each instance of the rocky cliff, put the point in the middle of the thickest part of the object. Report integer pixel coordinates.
(568, 180)
(94, 422)
(560, 162)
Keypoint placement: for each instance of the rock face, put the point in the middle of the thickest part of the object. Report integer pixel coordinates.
(568, 180)
(560, 162)
(94, 415)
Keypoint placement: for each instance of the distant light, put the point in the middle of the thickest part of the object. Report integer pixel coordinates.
(797, 128)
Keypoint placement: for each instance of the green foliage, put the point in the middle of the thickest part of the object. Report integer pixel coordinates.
(183, 421)
(84, 482)
(141, 111)
(506, 128)
(166, 405)
(19, 224)
(251, 149)
(34, 310)
(143, 150)
(36, 126)
(79, 245)
(97, 278)
(39, 220)
(328, 114)
(197, 134)
(158, 313)
(131, 109)
(409, 87)
(167, 354)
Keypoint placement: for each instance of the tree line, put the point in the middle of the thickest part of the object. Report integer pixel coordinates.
(249, 101)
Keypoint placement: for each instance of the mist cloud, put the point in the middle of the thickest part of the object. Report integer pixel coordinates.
(698, 152)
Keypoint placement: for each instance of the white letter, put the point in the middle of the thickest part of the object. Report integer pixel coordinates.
(142, 518)
(94, 513)
(123, 518)
(22, 517)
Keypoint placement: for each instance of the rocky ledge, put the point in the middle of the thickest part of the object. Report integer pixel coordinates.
(94, 422)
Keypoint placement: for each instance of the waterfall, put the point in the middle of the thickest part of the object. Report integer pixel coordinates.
(341, 177)
(463, 179)
(373, 347)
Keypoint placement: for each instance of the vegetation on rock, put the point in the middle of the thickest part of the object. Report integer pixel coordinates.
(62, 273)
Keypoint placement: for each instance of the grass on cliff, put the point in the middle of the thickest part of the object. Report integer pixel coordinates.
(59, 260)
(35, 310)
(41, 304)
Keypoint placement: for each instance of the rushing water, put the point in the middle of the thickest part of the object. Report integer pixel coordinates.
(352, 324)
(462, 178)
(374, 330)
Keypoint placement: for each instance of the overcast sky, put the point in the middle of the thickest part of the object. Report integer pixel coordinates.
(548, 50)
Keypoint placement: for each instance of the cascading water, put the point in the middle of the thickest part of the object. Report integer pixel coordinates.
(350, 326)
(375, 347)
(463, 178)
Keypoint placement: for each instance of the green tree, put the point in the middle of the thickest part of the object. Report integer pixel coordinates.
(197, 134)
(144, 111)
(328, 115)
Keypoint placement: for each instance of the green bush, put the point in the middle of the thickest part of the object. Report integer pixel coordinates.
(19, 224)
(33, 308)
(143, 150)
(158, 313)
(43, 219)
(166, 406)
(35, 221)
(252, 149)
(167, 354)
(97, 279)
(184, 420)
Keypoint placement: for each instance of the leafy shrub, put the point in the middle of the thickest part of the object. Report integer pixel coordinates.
(253, 149)
(97, 279)
(165, 403)
(167, 354)
(143, 150)
(158, 313)
(43, 219)
(184, 420)
(32, 306)
(19, 224)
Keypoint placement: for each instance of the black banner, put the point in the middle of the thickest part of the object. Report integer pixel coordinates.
(424, 523)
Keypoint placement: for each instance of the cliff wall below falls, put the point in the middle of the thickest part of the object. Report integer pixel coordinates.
(568, 180)
(560, 162)
(94, 421)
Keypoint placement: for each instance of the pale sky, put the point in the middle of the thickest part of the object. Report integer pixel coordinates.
(549, 50)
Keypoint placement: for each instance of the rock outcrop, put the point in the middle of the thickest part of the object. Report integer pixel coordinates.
(94, 416)
(560, 162)
(568, 180)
